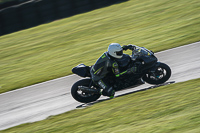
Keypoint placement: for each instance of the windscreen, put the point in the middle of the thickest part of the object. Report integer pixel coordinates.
(140, 51)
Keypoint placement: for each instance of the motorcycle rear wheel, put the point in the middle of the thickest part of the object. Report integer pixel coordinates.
(161, 75)
(81, 96)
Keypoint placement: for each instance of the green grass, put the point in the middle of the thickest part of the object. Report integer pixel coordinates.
(50, 51)
(173, 108)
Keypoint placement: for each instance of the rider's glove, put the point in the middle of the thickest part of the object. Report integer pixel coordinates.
(131, 47)
(132, 70)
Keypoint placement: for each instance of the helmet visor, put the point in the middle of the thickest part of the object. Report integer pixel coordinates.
(119, 53)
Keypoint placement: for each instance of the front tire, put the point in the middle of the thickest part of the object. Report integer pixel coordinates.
(161, 74)
(81, 96)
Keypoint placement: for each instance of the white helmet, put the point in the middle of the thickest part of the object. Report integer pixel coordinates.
(115, 50)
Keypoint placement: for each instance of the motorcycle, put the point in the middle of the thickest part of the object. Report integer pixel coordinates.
(149, 70)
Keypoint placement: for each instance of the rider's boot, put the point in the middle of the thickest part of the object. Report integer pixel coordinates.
(107, 90)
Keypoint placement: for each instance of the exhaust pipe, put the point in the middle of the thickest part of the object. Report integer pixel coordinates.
(87, 89)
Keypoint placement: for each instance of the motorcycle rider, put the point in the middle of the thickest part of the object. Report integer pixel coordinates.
(108, 63)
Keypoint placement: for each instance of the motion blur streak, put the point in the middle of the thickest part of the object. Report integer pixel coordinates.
(37, 102)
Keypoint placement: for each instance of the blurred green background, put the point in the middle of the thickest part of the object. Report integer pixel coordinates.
(51, 50)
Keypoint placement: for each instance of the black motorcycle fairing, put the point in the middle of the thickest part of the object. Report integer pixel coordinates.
(126, 81)
(153, 69)
(144, 63)
(82, 70)
(147, 60)
(124, 61)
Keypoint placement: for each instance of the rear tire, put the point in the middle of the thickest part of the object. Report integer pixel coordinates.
(83, 97)
(161, 75)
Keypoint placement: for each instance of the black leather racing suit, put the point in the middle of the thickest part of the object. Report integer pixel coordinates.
(104, 65)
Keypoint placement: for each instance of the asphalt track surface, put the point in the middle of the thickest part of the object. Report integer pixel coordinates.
(37, 102)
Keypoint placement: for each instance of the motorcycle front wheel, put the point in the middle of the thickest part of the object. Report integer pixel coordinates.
(83, 97)
(159, 76)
